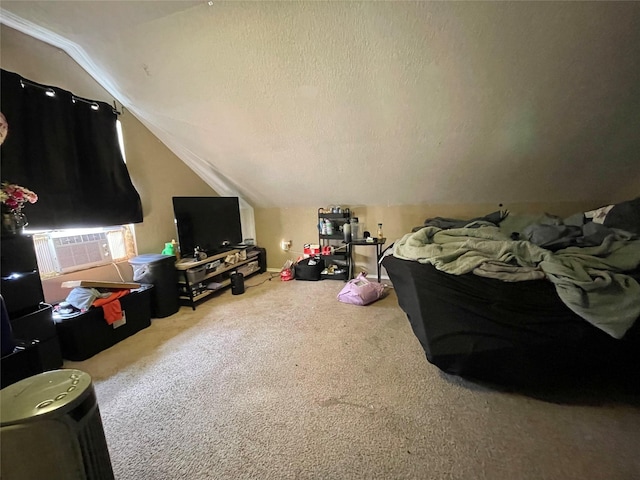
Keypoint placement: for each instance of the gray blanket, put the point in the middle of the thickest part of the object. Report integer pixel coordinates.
(589, 280)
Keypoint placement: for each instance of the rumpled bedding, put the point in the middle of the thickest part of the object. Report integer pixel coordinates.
(507, 272)
(590, 280)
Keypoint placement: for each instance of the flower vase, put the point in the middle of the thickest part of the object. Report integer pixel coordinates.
(13, 223)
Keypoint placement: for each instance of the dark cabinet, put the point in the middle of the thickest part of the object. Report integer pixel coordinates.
(30, 318)
(22, 292)
(21, 287)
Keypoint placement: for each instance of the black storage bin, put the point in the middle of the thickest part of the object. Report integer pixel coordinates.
(22, 293)
(39, 325)
(158, 270)
(82, 335)
(21, 287)
(18, 254)
(23, 362)
(309, 268)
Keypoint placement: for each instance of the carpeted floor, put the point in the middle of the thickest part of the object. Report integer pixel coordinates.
(285, 382)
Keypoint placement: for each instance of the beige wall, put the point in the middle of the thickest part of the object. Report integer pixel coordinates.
(155, 171)
(158, 176)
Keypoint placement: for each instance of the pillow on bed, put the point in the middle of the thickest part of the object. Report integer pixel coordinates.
(625, 216)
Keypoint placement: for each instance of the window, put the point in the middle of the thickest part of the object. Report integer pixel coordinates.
(63, 251)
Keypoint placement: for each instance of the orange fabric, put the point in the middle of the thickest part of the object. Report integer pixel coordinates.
(111, 305)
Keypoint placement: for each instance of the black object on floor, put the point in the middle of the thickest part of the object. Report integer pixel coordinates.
(237, 283)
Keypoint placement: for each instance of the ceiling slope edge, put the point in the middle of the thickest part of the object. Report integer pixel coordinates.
(215, 180)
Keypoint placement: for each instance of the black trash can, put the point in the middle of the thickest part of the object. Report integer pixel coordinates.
(159, 270)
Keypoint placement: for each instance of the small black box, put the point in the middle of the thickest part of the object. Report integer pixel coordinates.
(309, 269)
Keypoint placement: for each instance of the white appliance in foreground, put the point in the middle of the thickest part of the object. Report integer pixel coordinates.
(50, 427)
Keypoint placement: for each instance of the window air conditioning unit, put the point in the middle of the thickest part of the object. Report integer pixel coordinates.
(87, 250)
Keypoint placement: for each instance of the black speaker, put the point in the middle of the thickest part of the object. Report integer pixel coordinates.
(237, 283)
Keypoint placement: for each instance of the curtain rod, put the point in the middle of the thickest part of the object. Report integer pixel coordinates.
(51, 92)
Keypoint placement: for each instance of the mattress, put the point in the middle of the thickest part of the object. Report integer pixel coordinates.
(511, 332)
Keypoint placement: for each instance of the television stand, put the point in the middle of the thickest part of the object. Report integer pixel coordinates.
(199, 279)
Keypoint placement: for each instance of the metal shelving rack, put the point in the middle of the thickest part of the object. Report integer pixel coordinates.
(337, 264)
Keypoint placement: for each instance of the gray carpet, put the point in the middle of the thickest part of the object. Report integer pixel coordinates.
(285, 382)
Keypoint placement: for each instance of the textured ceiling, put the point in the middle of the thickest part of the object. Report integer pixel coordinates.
(374, 103)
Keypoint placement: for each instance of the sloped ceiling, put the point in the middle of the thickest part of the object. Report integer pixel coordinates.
(372, 103)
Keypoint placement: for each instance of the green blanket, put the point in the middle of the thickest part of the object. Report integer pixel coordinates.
(589, 280)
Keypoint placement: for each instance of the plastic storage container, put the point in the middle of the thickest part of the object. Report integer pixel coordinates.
(196, 275)
(159, 270)
(355, 229)
(346, 230)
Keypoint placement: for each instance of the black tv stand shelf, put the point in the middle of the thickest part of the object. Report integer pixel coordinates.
(199, 279)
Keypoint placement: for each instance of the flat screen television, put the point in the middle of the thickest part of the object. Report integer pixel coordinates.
(211, 223)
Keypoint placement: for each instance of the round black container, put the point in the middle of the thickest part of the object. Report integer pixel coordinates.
(237, 283)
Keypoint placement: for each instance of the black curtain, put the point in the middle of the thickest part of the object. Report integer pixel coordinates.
(68, 153)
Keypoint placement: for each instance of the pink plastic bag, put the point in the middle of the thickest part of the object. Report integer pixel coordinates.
(360, 291)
